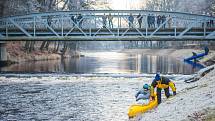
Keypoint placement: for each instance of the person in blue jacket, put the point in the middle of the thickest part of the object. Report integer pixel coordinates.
(130, 21)
(143, 95)
(206, 50)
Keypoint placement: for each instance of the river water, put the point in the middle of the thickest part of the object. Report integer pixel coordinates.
(106, 62)
(97, 87)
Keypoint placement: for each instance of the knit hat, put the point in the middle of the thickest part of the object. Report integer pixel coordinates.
(145, 86)
(157, 77)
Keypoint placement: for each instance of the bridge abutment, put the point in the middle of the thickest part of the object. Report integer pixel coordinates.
(3, 53)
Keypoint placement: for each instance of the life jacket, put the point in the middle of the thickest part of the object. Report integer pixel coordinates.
(163, 84)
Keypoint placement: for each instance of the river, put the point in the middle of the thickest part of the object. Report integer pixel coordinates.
(106, 62)
(97, 87)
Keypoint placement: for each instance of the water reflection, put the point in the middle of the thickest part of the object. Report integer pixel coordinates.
(108, 62)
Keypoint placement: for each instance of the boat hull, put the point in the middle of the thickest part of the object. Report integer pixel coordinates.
(136, 109)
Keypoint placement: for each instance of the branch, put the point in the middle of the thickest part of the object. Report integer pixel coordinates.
(64, 6)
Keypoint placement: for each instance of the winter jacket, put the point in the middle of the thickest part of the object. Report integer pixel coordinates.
(163, 84)
(142, 94)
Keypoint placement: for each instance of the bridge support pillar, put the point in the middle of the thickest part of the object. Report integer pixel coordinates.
(3, 53)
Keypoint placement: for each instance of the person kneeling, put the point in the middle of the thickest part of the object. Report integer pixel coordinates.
(161, 82)
(143, 95)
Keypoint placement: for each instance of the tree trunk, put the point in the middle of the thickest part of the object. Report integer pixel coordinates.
(58, 46)
(42, 45)
(32, 46)
(64, 49)
(47, 45)
(151, 44)
(27, 45)
(2, 6)
(55, 46)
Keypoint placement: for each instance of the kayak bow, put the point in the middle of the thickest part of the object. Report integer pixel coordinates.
(136, 109)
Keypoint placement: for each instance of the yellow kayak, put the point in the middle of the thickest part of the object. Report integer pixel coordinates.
(136, 109)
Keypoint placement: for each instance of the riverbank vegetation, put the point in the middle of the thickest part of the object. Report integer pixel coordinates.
(17, 51)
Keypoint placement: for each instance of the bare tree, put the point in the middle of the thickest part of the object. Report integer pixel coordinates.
(2, 7)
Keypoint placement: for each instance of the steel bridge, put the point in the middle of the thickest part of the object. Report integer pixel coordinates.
(69, 26)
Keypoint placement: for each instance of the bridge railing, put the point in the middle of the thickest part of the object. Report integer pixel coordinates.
(96, 16)
(90, 23)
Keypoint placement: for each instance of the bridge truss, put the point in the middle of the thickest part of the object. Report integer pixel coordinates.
(55, 26)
